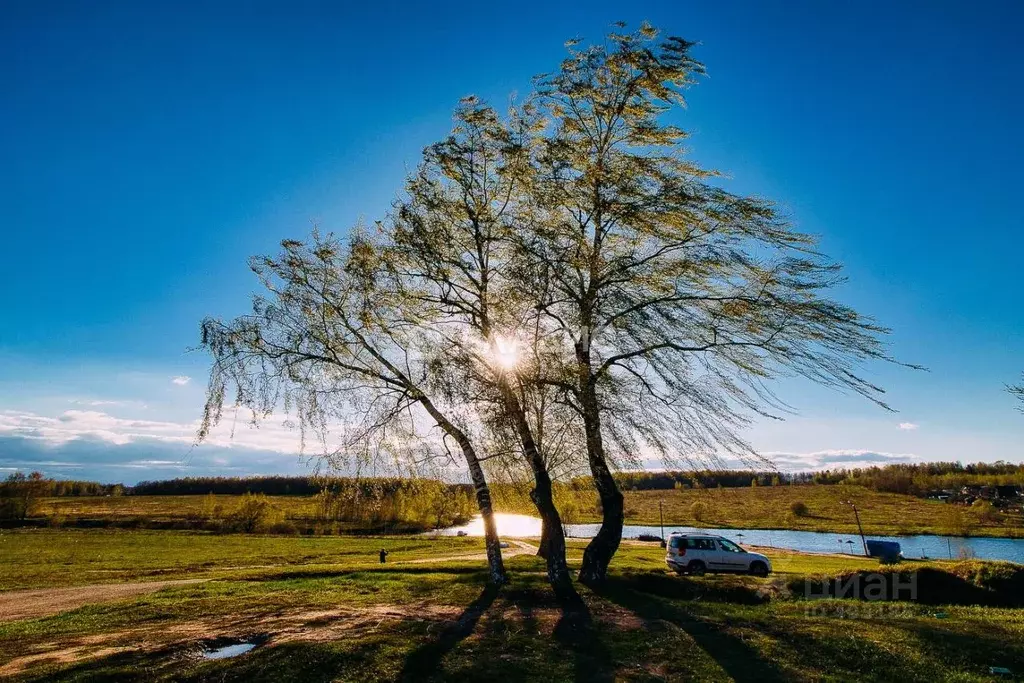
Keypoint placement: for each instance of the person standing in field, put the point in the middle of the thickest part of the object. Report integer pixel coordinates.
(383, 556)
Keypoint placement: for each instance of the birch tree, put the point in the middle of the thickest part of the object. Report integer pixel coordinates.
(450, 248)
(675, 299)
(334, 342)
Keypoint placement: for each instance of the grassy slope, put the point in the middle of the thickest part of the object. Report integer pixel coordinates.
(647, 626)
(768, 507)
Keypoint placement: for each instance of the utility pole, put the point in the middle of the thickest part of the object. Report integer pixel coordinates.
(859, 527)
(661, 514)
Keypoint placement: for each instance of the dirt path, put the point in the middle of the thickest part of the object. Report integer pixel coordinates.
(190, 637)
(515, 548)
(26, 604)
(41, 602)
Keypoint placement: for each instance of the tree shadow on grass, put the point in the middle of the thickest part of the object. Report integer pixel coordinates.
(738, 659)
(425, 660)
(576, 631)
(296, 662)
(970, 652)
(121, 667)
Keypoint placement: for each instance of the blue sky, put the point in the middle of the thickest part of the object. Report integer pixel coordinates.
(150, 148)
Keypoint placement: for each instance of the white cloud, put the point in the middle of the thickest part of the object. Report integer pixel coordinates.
(836, 458)
(71, 425)
(103, 403)
(181, 380)
(908, 426)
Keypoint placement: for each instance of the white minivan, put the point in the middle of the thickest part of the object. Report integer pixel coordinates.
(700, 553)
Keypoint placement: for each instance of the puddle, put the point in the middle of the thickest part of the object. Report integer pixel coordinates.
(231, 648)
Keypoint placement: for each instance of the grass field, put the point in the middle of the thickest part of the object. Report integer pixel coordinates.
(766, 507)
(324, 609)
(46, 558)
(769, 507)
(298, 512)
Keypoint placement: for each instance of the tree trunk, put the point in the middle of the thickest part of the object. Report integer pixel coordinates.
(552, 537)
(602, 547)
(496, 567)
(496, 574)
(542, 549)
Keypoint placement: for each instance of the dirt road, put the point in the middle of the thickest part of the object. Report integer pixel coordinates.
(515, 548)
(26, 604)
(41, 602)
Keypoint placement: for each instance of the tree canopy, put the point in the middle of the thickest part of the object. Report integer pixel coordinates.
(560, 287)
(336, 342)
(674, 299)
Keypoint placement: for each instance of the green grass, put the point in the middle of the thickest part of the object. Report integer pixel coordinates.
(330, 614)
(38, 558)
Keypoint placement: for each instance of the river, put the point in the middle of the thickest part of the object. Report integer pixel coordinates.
(925, 545)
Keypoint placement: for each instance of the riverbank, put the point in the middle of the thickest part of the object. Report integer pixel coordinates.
(922, 546)
(821, 509)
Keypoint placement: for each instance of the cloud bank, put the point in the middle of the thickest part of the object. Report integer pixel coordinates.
(97, 459)
(236, 430)
(836, 459)
(90, 444)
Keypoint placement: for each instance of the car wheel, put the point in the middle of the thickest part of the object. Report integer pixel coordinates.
(696, 568)
(759, 569)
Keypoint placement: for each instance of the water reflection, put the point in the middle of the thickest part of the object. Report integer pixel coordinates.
(934, 547)
(228, 651)
(516, 526)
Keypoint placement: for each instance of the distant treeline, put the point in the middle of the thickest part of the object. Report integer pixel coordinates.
(704, 479)
(922, 479)
(50, 488)
(198, 486)
(918, 479)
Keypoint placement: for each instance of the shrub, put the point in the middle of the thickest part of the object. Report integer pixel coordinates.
(965, 554)
(984, 510)
(799, 508)
(649, 538)
(19, 493)
(211, 509)
(282, 527)
(254, 513)
(699, 511)
(953, 522)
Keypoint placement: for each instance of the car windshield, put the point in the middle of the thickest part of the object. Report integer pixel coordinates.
(729, 546)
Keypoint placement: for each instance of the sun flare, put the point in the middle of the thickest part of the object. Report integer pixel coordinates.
(505, 353)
